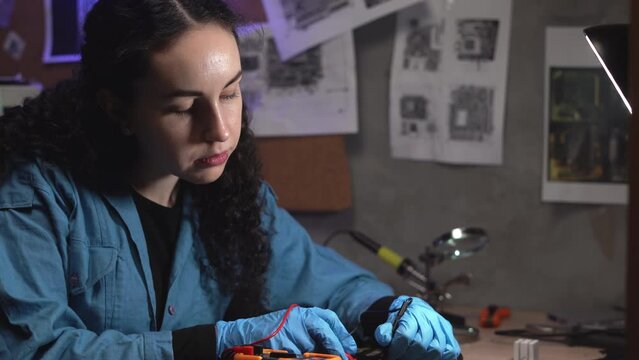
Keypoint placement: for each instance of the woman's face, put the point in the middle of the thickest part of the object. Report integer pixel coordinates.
(187, 116)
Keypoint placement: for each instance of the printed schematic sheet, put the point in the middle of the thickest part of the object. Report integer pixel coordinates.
(313, 93)
(301, 24)
(448, 81)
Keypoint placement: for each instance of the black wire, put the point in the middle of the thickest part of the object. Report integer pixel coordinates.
(334, 234)
(374, 312)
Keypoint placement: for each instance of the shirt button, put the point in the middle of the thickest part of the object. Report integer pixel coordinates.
(171, 310)
(74, 280)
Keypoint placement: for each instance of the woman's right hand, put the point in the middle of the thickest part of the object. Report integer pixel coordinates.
(305, 330)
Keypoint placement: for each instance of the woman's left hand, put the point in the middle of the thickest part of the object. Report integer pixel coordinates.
(421, 334)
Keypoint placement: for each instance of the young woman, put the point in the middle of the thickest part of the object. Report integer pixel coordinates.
(134, 222)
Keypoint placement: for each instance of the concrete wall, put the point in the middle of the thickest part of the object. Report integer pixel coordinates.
(555, 257)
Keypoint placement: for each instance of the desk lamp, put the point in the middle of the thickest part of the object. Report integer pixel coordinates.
(610, 44)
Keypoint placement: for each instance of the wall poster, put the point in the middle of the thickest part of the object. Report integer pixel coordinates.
(586, 125)
(63, 29)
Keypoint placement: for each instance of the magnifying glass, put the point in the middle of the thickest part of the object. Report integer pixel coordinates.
(459, 243)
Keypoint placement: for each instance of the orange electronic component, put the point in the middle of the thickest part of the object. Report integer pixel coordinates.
(318, 356)
(255, 353)
(491, 316)
(259, 353)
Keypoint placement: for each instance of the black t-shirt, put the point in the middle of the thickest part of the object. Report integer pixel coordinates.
(161, 226)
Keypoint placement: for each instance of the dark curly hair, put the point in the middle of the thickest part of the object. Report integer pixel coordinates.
(66, 126)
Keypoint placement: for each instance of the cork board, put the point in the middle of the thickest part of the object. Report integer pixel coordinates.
(307, 173)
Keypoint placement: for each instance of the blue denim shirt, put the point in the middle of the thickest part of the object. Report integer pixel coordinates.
(75, 279)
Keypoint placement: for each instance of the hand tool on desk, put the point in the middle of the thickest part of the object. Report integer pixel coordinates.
(492, 315)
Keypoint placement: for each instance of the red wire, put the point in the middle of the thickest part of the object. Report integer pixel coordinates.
(279, 327)
(284, 318)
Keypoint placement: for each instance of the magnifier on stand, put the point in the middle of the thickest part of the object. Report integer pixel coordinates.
(456, 244)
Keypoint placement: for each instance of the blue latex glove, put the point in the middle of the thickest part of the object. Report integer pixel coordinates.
(422, 334)
(306, 329)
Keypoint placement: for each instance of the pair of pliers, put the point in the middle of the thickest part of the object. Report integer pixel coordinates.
(491, 316)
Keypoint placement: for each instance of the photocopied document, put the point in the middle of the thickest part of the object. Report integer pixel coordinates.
(448, 81)
(313, 93)
(301, 24)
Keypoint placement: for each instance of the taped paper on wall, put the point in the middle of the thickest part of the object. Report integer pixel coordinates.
(301, 24)
(448, 81)
(314, 93)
